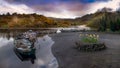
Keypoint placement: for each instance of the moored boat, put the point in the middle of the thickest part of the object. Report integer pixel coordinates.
(24, 48)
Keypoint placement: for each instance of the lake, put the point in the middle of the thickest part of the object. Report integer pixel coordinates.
(9, 59)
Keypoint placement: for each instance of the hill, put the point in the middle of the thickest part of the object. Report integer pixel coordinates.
(29, 21)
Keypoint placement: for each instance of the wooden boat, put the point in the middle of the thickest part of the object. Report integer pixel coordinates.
(24, 49)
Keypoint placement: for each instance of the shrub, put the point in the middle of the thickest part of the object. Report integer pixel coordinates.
(89, 38)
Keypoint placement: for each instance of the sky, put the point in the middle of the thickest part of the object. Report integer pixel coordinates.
(57, 8)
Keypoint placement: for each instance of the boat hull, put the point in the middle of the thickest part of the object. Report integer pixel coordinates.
(25, 56)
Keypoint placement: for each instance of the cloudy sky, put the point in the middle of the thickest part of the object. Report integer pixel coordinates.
(57, 8)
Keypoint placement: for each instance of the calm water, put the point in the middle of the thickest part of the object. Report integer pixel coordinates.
(8, 58)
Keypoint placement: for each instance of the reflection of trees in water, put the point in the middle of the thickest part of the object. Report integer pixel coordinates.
(13, 34)
(8, 35)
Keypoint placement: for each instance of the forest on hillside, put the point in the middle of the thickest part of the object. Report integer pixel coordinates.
(29, 21)
(105, 20)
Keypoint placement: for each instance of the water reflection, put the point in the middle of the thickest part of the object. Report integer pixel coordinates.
(5, 41)
(8, 34)
(44, 56)
(45, 59)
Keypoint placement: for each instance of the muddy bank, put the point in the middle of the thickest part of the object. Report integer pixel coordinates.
(68, 57)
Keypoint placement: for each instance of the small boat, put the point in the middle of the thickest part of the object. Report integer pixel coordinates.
(24, 49)
(58, 31)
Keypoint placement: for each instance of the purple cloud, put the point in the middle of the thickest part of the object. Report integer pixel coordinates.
(59, 8)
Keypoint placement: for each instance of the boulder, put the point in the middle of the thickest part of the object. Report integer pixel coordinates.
(90, 46)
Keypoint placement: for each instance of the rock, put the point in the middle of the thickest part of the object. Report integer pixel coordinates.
(90, 46)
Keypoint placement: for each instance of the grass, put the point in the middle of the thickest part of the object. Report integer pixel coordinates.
(89, 38)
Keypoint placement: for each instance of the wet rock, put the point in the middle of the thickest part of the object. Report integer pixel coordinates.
(90, 46)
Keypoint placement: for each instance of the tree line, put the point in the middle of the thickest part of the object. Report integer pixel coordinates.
(106, 21)
(34, 20)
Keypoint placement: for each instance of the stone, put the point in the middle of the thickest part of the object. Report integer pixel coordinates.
(90, 46)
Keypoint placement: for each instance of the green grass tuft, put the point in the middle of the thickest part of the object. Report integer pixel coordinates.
(89, 38)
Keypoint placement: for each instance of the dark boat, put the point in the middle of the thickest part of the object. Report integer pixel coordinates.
(24, 49)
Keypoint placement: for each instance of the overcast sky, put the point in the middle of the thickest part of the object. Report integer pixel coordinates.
(56, 8)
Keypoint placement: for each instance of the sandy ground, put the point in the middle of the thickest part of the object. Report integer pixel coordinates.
(68, 57)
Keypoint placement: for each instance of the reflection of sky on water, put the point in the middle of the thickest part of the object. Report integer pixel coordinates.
(5, 41)
(45, 58)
